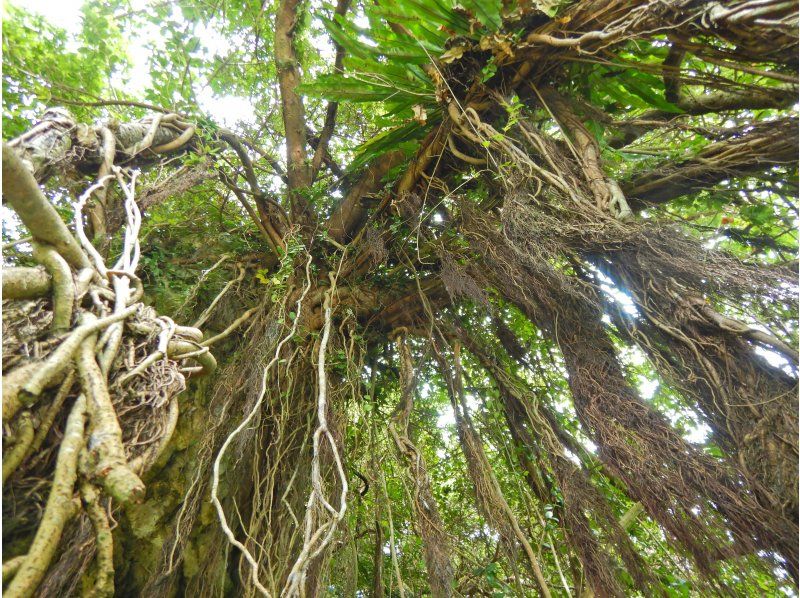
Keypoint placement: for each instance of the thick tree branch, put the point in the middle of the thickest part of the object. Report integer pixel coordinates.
(761, 98)
(58, 142)
(269, 216)
(769, 145)
(294, 121)
(327, 160)
(26, 283)
(694, 104)
(350, 214)
(35, 211)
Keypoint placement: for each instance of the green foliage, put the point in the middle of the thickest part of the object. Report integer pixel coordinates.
(40, 62)
(384, 63)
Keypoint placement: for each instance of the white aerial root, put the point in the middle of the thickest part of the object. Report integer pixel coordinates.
(129, 259)
(124, 269)
(207, 312)
(193, 293)
(78, 206)
(244, 423)
(167, 332)
(315, 542)
(116, 293)
(131, 250)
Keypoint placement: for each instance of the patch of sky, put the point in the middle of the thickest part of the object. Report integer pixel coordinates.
(227, 110)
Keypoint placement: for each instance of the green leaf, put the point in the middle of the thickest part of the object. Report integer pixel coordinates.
(758, 214)
(347, 88)
(386, 141)
(436, 13)
(347, 40)
(486, 11)
(637, 84)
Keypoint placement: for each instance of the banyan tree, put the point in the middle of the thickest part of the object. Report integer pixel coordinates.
(400, 298)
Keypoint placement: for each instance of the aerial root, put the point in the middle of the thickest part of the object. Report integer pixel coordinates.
(490, 499)
(427, 519)
(91, 312)
(60, 507)
(105, 435)
(63, 287)
(215, 477)
(316, 540)
(104, 543)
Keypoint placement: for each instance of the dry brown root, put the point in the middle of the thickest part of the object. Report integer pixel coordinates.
(669, 476)
(750, 406)
(60, 508)
(585, 515)
(105, 435)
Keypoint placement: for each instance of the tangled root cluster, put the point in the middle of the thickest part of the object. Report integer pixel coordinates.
(90, 387)
(555, 237)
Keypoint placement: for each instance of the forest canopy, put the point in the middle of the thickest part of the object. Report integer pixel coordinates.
(400, 298)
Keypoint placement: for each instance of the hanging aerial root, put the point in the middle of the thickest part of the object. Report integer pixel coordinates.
(694, 497)
(584, 511)
(490, 499)
(315, 541)
(750, 405)
(428, 522)
(232, 327)
(215, 479)
(392, 544)
(207, 312)
(639, 444)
